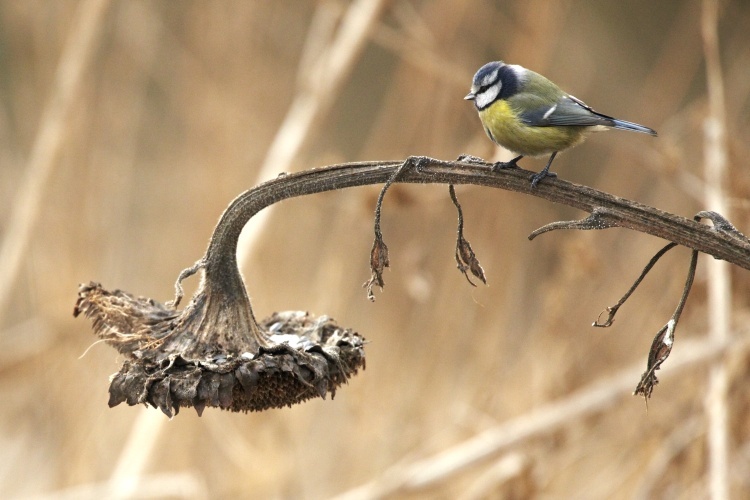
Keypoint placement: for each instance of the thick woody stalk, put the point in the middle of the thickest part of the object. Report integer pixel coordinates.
(215, 353)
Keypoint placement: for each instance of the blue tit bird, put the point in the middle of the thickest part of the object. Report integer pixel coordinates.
(526, 113)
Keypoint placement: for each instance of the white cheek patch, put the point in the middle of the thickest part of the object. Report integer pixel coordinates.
(487, 80)
(486, 98)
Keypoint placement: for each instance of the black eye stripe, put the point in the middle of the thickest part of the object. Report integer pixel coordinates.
(485, 88)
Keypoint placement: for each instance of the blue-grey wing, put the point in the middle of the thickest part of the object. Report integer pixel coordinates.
(566, 112)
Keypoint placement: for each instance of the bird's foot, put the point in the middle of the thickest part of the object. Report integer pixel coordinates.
(500, 165)
(539, 176)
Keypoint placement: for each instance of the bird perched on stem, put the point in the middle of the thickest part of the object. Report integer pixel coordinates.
(526, 113)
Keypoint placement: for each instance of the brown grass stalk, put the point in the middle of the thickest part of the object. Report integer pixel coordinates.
(313, 101)
(719, 280)
(76, 55)
(546, 418)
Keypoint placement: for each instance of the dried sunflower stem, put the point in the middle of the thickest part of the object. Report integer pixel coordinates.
(214, 352)
(219, 263)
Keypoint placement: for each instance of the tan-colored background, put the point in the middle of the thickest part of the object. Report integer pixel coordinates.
(172, 117)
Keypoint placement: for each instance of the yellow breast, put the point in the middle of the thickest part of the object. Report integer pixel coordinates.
(503, 127)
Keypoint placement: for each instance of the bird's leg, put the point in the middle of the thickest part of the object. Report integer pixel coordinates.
(544, 172)
(506, 164)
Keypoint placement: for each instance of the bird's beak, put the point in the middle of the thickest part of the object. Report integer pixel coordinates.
(470, 96)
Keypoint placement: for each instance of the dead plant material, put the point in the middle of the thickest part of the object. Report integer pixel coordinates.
(303, 357)
(215, 353)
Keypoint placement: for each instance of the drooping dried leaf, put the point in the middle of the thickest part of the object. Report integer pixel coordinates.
(378, 262)
(467, 260)
(661, 348)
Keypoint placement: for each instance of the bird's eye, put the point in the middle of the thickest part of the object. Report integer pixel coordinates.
(484, 88)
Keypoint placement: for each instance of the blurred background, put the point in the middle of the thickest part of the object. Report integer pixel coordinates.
(126, 128)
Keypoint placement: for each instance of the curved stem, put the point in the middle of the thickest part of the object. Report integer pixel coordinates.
(226, 296)
(220, 259)
(223, 244)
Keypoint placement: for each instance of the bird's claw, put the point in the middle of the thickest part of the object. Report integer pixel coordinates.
(535, 178)
(500, 165)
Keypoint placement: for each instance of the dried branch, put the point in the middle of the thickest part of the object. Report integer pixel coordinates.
(722, 225)
(612, 310)
(661, 347)
(215, 353)
(599, 219)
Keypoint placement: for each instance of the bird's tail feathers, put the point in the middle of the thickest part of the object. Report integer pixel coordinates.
(634, 127)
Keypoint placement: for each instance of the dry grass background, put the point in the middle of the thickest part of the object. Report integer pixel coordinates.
(171, 115)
